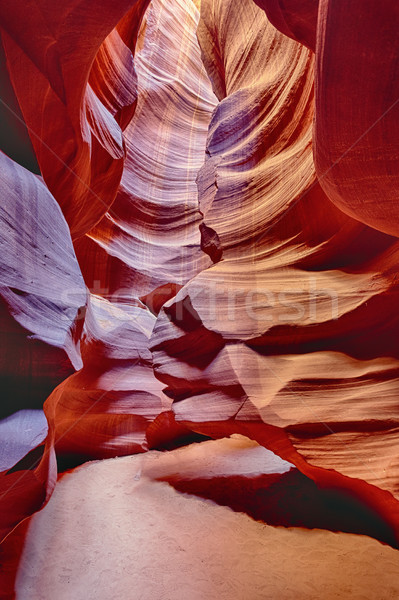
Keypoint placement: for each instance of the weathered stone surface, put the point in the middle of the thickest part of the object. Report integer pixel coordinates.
(211, 249)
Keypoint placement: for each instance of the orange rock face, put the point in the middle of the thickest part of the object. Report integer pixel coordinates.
(211, 246)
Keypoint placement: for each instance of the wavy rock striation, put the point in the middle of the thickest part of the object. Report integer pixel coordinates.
(234, 267)
(295, 327)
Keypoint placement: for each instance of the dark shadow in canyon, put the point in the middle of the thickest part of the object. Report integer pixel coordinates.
(290, 500)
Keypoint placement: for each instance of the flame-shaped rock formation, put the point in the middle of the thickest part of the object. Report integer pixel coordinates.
(210, 248)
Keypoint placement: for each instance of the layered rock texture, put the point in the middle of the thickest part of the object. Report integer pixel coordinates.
(208, 251)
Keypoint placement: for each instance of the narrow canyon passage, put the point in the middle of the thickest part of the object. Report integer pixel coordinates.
(198, 292)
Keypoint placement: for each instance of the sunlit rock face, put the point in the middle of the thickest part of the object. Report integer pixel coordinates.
(43, 300)
(210, 247)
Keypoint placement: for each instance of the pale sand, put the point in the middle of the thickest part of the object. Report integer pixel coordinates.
(112, 531)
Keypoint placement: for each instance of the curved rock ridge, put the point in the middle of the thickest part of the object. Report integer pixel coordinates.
(43, 295)
(356, 160)
(295, 18)
(43, 302)
(80, 76)
(151, 237)
(104, 409)
(294, 319)
(231, 275)
(77, 140)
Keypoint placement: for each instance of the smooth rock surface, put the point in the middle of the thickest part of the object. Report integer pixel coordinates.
(113, 530)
